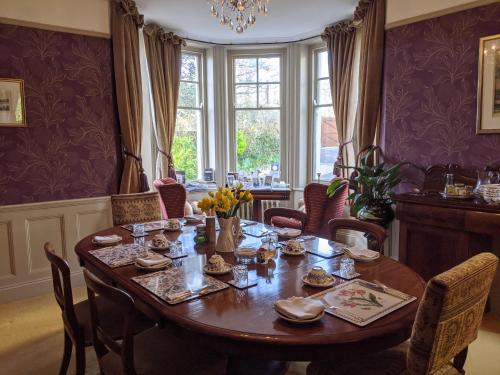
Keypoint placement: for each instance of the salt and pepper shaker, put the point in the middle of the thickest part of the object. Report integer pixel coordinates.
(210, 228)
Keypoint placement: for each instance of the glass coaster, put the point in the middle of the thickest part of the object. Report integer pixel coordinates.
(346, 277)
(176, 256)
(245, 286)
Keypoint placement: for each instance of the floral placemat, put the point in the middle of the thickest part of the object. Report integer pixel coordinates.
(170, 285)
(361, 302)
(149, 226)
(121, 255)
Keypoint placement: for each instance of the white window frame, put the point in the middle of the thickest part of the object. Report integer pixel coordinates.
(232, 55)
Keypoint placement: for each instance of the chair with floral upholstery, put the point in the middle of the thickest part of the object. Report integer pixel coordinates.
(447, 321)
(135, 208)
(172, 198)
(319, 210)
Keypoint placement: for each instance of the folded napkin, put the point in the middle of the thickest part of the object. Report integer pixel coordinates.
(151, 261)
(299, 308)
(108, 239)
(175, 297)
(359, 252)
(288, 232)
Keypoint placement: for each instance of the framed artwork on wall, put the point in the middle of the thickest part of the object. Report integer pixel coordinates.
(488, 95)
(12, 106)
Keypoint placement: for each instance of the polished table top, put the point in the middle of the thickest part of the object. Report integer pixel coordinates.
(247, 316)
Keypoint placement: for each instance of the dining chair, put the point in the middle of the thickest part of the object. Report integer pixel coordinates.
(151, 352)
(447, 322)
(319, 210)
(172, 198)
(76, 316)
(374, 233)
(135, 208)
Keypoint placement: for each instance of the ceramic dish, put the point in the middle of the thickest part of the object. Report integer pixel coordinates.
(363, 259)
(227, 269)
(300, 321)
(106, 243)
(292, 253)
(315, 285)
(156, 248)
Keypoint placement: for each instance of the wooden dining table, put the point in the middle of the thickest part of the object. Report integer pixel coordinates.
(243, 323)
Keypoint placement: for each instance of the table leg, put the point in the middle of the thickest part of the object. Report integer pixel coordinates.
(257, 211)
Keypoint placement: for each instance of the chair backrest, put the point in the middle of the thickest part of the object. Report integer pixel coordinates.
(450, 313)
(61, 281)
(135, 208)
(376, 233)
(320, 209)
(103, 340)
(172, 197)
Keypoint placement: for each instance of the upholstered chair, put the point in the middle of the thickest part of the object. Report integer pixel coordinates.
(319, 210)
(447, 321)
(172, 198)
(135, 208)
(151, 352)
(374, 233)
(76, 317)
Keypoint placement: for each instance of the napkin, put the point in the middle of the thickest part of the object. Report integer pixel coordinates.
(152, 261)
(179, 296)
(359, 252)
(299, 308)
(288, 232)
(108, 239)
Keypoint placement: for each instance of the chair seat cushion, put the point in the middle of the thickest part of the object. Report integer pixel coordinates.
(110, 317)
(388, 362)
(158, 352)
(286, 222)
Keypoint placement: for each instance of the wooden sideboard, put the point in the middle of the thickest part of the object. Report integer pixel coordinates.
(436, 234)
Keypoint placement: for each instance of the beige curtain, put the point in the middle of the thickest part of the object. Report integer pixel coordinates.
(370, 16)
(125, 23)
(341, 41)
(163, 51)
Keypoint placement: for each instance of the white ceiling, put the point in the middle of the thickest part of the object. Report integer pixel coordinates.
(288, 20)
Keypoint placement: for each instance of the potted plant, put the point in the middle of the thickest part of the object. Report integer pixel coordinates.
(372, 186)
(224, 203)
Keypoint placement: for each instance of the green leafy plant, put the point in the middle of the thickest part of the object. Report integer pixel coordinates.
(371, 183)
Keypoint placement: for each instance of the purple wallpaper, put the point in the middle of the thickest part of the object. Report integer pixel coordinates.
(430, 87)
(70, 147)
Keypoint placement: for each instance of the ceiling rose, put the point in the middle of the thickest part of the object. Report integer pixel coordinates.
(238, 14)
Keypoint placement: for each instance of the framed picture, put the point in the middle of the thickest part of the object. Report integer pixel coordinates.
(230, 180)
(488, 95)
(12, 106)
(268, 181)
(180, 176)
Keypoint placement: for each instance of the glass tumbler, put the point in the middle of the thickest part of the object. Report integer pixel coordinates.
(347, 266)
(240, 274)
(138, 229)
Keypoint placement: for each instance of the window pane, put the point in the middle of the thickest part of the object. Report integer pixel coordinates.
(189, 68)
(188, 95)
(269, 95)
(269, 69)
(246, 96)
(185, 145)
(258, 139)
(245, 70)
(327, 141)
(324, 92)
(322, 65)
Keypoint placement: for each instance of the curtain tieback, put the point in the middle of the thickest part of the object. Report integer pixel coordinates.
(168, 156)
(143, 180)
(137, 158)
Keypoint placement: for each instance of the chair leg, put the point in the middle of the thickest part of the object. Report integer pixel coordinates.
(459, 360)
(68, 347)
(80, 359)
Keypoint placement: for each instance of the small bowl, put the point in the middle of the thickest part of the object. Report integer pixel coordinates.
(159, 241)
(317, 275)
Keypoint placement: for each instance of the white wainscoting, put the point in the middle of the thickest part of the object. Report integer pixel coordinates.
(24, 228)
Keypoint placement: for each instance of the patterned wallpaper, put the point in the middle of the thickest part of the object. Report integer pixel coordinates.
(430, 87)
(69, 149)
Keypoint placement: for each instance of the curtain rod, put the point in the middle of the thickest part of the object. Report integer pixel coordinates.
(250, 43)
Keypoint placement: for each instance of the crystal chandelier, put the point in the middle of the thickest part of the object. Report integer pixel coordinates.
(238, 14)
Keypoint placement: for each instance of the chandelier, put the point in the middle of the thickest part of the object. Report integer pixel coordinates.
(238, 14)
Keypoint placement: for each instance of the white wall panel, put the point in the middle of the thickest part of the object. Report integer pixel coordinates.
(7, 258)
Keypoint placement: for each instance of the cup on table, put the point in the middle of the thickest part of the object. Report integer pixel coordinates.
(347, 266)
(240, 274)
(138, 229)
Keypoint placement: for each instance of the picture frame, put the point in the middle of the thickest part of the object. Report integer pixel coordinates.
(12, 103)
(268, 181)
(180, 176)
(488, 94)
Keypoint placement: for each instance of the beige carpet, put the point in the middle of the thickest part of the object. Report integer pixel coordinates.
(31, 341)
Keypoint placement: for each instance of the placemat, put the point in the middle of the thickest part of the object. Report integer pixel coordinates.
(326, 249)
(256, 231)
(361, 302)
(121, 255)
(171, 283)
(149, 226)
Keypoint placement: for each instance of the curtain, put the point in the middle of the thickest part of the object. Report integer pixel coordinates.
(163, 51)
(370, 15)
(125, 24)
(341, 40)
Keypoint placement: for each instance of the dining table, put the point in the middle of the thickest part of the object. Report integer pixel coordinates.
(242, 323)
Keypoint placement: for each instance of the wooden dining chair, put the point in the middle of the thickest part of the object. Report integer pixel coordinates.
(447, 322)
(172, 198)
(375, 234)
(135, 208)
(154, 351)
(76, 317)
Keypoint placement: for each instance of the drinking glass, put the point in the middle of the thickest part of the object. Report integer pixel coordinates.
(240, 274)
(176, 248)
(347, 266)
(138, 229)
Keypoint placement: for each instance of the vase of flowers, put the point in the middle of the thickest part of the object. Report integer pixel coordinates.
(224, 203)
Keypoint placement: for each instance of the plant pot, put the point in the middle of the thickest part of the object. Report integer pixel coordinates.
(381, 214)
(228, 235)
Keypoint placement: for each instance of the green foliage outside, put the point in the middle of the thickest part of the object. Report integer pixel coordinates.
(184, 154)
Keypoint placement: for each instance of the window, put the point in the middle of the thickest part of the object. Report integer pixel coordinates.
(187, 148)
(326, 140)
(257, 98)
